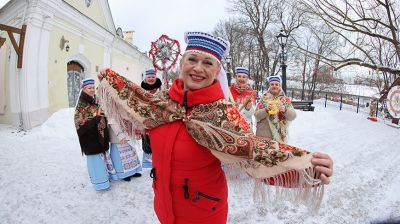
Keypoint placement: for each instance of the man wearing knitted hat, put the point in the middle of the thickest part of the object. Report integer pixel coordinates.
(193, 129)
(274, 112)
(242, 93)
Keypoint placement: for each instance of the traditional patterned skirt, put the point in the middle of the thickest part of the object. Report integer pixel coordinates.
(98, 172)
(125, 161)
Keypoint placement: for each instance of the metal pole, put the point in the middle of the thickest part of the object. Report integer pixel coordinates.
(292, 93)
(326, 98)
(341, 99)
(358, 103)
(284, 78)
(377, 106)
(283, 65)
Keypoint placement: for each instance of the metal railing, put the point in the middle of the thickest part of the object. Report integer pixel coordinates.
(351, 102)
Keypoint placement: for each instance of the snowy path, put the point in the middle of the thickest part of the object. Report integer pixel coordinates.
(43, 177)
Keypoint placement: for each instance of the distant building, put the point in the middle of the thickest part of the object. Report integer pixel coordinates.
(66, 41)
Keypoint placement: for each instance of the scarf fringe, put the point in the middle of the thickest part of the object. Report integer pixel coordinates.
(113, 107)
(297, 186)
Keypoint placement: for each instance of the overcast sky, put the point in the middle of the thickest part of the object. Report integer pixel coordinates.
(152, 18)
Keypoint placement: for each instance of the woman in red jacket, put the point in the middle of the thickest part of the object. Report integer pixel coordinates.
(193, 128)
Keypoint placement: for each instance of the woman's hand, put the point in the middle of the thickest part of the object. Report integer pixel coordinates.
(249, 105)
(323, 164)
(282, 107)
(101, 74)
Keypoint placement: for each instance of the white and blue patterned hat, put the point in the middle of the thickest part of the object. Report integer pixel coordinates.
(205, 43)
(86, 82)
(150, 71)
(274, 78)
(243, 70)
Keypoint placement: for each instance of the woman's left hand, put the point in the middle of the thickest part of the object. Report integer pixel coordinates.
(101, 74)
(282, 108)
(323, 164)
(249, 105)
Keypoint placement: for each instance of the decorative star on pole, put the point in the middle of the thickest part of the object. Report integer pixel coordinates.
(164, 52)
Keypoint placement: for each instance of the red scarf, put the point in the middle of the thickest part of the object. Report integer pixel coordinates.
(202, 96)
(240, 95)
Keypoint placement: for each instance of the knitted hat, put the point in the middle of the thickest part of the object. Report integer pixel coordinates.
(86, 82)
(201, 42)
(274, 78)
(150, 72)
(243, 70)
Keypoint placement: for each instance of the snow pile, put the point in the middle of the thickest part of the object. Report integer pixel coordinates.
(60, 124)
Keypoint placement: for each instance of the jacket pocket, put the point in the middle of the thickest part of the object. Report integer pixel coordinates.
(205, 201)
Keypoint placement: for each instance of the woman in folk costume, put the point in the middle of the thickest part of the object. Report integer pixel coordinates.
(242, 93)
(91, 126)
(193, 129)
(274, 112)
(124, 158)
(152, 84)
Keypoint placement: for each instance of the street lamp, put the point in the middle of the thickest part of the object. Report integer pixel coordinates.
(228, 61)
(282, 39)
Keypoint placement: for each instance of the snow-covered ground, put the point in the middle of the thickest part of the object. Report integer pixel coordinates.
(43, 177)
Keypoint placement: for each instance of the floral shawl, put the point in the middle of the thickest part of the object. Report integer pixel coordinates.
(217, 126)
(277, 122)
(89, 126)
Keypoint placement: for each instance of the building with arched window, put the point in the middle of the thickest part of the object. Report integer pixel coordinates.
(65, 42)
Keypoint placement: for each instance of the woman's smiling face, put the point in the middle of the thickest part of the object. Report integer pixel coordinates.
(198, 70)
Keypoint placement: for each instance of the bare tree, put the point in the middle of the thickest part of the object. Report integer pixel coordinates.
(369, 28)
(236, 34)
(257, 14)
(262, 20)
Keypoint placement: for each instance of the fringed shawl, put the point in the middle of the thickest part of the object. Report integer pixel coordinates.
(91, 128)
(217, 126)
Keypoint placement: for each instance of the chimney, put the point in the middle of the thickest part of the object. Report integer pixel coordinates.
(128, 36)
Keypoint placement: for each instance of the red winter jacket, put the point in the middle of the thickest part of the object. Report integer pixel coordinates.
(189, 184)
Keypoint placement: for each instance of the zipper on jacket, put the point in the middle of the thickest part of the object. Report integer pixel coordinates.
(199, 194)
(185, 104)
(186, 189)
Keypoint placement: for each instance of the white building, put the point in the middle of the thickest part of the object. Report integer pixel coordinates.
(66, 41)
